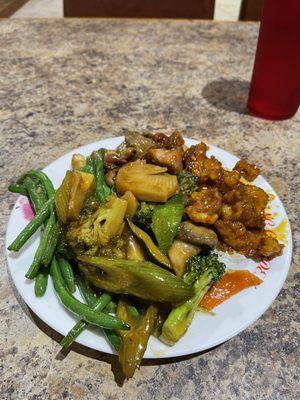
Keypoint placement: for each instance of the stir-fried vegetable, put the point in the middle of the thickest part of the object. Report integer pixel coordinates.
(18, 188)
(138, 278)
(42, 178)
(99, 305)
(136, 339)
(197, 235)
(79, 162)
(202, 272)
(32, 226)
(71, 195)
(179, 253)
(143, 216)
(67, 273)
(97, 230)
(50, 244)
(117, 214)
(132, 204)
(102, 190)
(133, 250)
(85, 312)
(165, 221)
(36, 193)
(37, 259)
(40, 283)
(39, 188)
(146, 181)
(151, 247)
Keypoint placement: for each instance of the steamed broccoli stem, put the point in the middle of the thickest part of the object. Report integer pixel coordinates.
(202, 271)
(181, 317)
(102, 189)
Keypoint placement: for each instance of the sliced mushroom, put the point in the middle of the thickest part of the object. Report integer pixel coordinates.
(179, 253)
(197, 235)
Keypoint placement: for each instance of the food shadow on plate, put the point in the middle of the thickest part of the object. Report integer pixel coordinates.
(227, 94)
(104, 357)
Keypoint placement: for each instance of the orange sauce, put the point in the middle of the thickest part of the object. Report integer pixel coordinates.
(282, 231)
(231, 283)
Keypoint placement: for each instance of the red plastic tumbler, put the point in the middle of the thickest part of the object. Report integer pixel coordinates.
(275, 86)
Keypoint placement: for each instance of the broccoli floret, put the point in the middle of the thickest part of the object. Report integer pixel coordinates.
(143, 216)
(188, 183)
(198, 265)
(91, 205)
(94, 233)
(202, 272)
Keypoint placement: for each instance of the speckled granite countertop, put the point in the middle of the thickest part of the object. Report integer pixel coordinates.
(64, 83)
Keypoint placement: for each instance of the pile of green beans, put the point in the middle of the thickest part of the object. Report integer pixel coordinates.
(94, 165)
(84, 311)
(98, 309)
(98, 303)
(38, 187)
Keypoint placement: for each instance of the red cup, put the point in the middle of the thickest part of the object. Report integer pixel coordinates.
(275, 86)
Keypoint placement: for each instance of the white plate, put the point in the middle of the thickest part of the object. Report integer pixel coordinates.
(206, 331)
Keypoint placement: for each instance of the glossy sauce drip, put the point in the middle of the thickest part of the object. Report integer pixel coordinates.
(232, 282)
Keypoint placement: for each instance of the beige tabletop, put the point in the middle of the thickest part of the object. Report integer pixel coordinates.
(64, 83)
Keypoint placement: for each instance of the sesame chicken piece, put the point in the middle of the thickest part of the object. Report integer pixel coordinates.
(205, 206)
(247, 170)
(254, 243)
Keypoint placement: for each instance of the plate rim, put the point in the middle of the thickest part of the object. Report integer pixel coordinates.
(178, 353)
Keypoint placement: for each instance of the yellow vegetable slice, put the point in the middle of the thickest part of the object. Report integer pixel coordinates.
(132, 204)
(71, 194)
(146, 181)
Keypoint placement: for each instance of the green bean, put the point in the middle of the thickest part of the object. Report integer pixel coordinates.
(88, 295)
(67, 273)
(43, 178)
(114, 339)
(100, 304)
(112, 336)
(73, 333)
(32, 226)
(17, 188)
(50, 246)
(75, 306)
(40, 284)
(35, 192)
(110, 308)
(88, 166)
(102, 190)
(37, 260)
